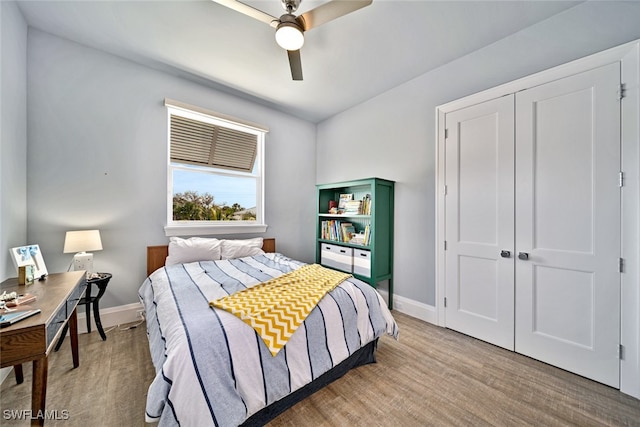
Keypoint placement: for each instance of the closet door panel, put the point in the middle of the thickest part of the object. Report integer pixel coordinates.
(568, 223)
(479, 221)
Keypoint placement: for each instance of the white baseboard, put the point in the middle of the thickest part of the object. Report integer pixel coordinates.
(112, 316)
(412, 308)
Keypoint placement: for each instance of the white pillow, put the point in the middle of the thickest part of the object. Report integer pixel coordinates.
(192, 249)
(241, 248)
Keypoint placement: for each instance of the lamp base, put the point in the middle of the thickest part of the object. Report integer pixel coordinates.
(83, 261)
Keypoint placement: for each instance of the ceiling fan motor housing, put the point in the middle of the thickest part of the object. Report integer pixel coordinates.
(290, 5)
(290, 20)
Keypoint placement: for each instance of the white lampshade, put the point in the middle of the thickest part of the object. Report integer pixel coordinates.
(82, 241)
(289, 36)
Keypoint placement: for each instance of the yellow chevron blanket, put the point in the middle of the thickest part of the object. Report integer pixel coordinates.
(277, 307)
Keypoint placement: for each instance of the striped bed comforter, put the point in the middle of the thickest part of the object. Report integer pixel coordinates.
(213, 369)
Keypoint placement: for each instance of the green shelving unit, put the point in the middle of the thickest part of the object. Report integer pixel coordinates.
(354, 258)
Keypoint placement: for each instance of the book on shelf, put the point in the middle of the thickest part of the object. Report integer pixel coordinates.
(331, 230)
(339, 231)
(344, 198)
(367, 235)
(347, 231)
(366, 205)
(353, 207)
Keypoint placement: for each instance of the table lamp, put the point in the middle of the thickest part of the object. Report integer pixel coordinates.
(80, 242)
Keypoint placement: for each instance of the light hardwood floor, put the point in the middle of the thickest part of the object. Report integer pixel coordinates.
(429, 377)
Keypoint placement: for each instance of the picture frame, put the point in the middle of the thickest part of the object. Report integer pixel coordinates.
(29, 255)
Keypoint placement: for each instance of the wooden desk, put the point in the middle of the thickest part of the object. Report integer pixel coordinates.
(33, 338)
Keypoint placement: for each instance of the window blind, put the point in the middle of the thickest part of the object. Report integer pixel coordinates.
(199, 143)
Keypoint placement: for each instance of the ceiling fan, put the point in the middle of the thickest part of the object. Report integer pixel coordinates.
(290, 28)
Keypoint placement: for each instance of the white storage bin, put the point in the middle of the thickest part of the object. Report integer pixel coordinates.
(362, 262)
(337, 257)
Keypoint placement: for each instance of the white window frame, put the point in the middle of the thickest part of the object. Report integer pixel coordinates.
(200, 228)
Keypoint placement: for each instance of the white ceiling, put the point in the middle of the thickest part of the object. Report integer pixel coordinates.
(345, 61)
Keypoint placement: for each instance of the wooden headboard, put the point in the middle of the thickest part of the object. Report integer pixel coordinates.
(156, 255)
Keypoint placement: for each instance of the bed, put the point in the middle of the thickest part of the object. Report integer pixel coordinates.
(214, 369)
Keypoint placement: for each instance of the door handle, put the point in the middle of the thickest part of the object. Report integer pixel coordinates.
(505, 254)
(523, 256)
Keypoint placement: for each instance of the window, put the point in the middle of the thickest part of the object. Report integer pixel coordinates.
(215, 173)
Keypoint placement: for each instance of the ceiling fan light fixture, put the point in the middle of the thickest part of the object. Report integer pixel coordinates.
(290, 28)
(289, 36)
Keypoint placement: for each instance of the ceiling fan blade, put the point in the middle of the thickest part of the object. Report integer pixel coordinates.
(295, 64)
(329, 11)
(250, 11)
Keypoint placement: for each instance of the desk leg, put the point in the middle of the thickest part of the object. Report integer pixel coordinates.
(73, 333)
(39, 390)
(17, 370)
(87, 306)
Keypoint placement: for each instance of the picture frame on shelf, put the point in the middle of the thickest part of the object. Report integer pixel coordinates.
(23, 256)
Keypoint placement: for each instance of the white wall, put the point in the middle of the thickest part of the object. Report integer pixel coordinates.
(13, 135)
(97, 159)
(13, 138)
(393, 135)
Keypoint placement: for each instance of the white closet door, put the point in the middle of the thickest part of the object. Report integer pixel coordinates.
(568, 222)
(479, 221)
